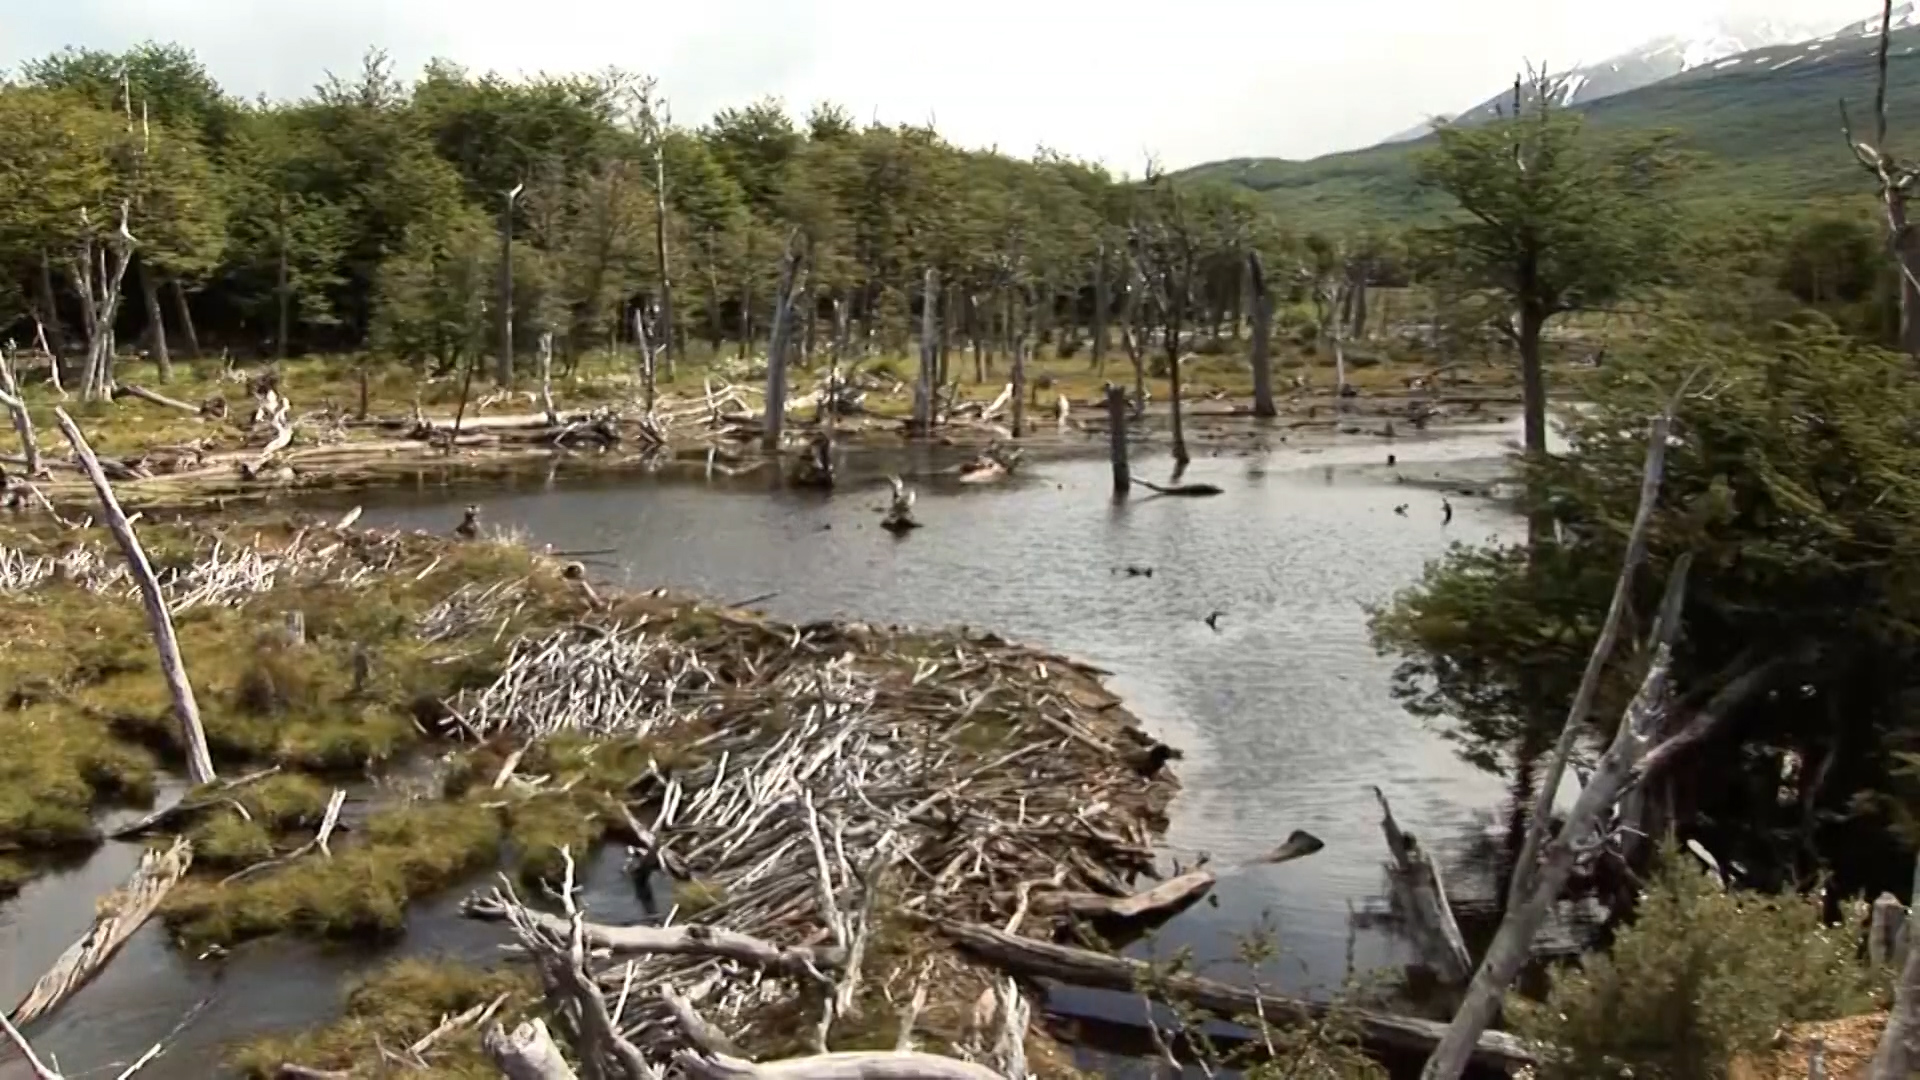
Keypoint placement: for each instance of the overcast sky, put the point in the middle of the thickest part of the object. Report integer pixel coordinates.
(1191, 81)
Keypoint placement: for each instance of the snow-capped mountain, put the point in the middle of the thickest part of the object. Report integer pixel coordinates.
(1662, 58)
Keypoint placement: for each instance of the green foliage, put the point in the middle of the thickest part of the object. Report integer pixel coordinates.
(1701, 976)
(1794, 481)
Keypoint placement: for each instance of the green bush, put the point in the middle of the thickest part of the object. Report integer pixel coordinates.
(1700, 977)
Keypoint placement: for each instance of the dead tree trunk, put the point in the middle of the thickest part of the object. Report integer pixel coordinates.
(184, 312)
(546, 380)
(1262, 338)
(282, 289)
(156, 326)
(1019, 375)
(503, 369)
(922, 422)
(193, 738)
(1895, 179)
(1416, 880)
(1117, 440)
(1898, 1055)
(99, 272)
(776, 417)
(1099, 327)
(22, 419)
(664, 329)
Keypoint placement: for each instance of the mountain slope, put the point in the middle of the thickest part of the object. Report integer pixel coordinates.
(1768, 119)
(1661, 58)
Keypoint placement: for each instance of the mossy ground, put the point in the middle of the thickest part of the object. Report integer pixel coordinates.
(394, 1007)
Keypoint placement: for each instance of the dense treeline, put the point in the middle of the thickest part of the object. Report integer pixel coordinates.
(369, 216)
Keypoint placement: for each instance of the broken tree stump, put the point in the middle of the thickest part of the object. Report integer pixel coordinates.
(1117, 440)
(1416, 881)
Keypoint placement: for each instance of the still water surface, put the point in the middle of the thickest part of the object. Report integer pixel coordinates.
(1284, 712)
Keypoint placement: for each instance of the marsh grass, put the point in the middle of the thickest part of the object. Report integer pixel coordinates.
(362, 892)
(394, 1007)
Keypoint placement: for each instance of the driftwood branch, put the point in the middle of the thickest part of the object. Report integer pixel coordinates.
(192, 737)
(219, 794)
(156, 398)
(17, 406)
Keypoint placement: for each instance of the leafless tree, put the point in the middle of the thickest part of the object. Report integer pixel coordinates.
(1895, 179)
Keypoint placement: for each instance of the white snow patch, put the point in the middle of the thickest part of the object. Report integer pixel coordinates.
(1787, 62)
(1725, 64)
(1815, 47)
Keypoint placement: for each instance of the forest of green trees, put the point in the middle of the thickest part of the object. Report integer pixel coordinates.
(368, 215)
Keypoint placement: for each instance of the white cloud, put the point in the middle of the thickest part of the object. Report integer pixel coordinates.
(1109, 79)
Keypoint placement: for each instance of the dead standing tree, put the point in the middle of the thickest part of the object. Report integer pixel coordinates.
(1896, 179)
(1262, 337)
(99, 269)
(922, 423)
(792, 281)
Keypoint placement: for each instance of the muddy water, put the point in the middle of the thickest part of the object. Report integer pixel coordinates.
(1283, 710)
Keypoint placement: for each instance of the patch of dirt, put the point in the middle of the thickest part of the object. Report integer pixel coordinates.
(1849, 1043)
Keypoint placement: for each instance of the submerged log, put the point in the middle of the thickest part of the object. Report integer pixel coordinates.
(220, 794)
(1180, 489)
(1080, 967)
(121, 913)
(1416, 880)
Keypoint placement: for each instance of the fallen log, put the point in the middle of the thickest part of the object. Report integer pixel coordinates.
(685, 940)
(1180, 489)
(172, 667)
(1163, 901)
(154, 398)
(1080, 967)
(218, 794)
(121, 913)
(1416, 880)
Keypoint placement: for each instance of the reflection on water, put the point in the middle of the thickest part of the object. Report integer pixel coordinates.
(1282, 709)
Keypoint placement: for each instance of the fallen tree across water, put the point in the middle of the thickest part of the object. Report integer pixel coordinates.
(121, 913)
(1029, 958)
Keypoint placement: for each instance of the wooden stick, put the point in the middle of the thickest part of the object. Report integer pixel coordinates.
(185, 709)
(121, 913)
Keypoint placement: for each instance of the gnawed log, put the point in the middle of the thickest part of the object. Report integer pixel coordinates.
(120, 914)
(686, 940)
(527, 1053)
(1080, 967)
(186, 710)
(1416, 880)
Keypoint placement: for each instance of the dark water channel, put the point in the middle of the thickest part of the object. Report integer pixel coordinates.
(1284, 712)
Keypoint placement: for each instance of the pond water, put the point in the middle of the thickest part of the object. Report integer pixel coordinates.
(1282, 709)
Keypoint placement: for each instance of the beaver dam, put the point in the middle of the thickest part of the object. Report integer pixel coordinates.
(844, 837)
